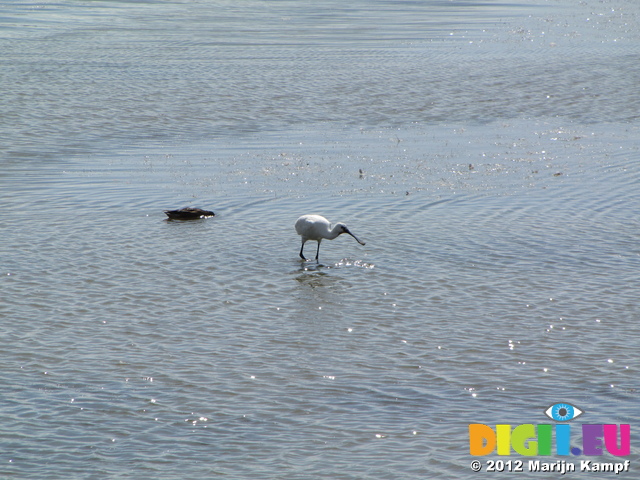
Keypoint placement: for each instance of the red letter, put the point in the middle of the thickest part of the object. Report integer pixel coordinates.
(611, 440)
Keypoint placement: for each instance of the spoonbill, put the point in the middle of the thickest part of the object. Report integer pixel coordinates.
(316, 227)
(188, 213)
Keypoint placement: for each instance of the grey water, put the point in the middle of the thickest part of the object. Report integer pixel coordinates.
(486, 152)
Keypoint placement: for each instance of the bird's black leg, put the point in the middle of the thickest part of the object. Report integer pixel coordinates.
(318, 251)
(301, 255)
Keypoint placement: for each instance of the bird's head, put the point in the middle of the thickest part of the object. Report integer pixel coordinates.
(344, 229)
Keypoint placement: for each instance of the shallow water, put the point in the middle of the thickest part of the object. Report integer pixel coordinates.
(492, 170)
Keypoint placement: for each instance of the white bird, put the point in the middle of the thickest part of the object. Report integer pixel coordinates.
(316, 227)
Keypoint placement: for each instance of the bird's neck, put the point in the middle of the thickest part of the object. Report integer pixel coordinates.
(334, 232)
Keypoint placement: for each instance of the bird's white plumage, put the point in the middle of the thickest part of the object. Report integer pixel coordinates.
(313, 227)
(316, 227)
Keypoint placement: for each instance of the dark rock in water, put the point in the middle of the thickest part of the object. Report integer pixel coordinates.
(188, 213)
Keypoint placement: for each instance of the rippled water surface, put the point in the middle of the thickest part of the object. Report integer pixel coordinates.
(486, 152)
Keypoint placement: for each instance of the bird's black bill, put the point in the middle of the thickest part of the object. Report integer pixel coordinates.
(357, 239)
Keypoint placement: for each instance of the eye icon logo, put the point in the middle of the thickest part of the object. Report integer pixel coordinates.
(538, 440)
(563, 412)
